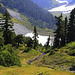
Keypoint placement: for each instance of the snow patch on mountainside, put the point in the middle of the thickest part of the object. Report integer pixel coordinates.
(62, 1)
(41, 39)
(63, 9)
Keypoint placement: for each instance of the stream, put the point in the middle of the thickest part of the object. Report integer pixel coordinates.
(30, 61)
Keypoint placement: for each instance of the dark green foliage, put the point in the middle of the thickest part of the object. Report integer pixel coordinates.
(35, 37)
(1, 42)
(33, 11)
(66, 30)
(71, 52)
(28, 41)
(71, 26)
(8, 57)
(27, 49)
(61, 32)
(58, 31)
(18, 39)
(47, 43)
(7, 28)
(52, 52)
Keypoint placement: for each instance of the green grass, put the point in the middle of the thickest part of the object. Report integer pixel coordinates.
(63, 58)
(36, 68)
(68, 49)
(31, 70)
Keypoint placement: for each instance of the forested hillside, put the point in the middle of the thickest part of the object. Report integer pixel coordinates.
(36, 15)
(47, 4)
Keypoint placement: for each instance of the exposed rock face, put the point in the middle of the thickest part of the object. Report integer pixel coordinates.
(14, 14)
(20, 29)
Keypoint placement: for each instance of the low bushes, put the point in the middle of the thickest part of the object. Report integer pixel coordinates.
(71, 52)
(8, 57)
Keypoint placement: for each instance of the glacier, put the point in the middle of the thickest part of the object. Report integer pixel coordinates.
(63, 9)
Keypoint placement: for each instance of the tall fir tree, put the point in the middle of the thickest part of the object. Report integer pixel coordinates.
(66, 30)
(71, 26)
(57, 39)
(35, 37)
(7, 28)
(47, 43)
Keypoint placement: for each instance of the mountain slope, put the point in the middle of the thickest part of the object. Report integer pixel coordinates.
(46, 4)
(49, 4)
(72, 2)
(28, 8)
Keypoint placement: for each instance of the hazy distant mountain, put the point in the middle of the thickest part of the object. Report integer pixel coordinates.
(69, 0)
(72, 2)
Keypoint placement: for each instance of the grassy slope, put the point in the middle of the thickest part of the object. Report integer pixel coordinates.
(30, 69)
(61, 60)
(37, 67)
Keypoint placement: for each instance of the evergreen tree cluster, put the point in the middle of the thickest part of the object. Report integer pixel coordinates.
(65, 32)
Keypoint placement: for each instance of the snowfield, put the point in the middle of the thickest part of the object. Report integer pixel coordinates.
(62, 1)
(63, 9)
(41, 39)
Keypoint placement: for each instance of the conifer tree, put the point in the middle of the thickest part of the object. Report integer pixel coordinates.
(71, 26)
(35, 37)
(58, 31)
(66, 29)
(64, 32)
(7, 28)
(18, 39)
(47, 43)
